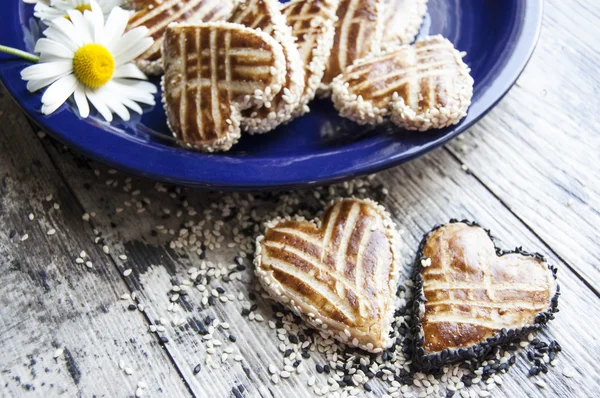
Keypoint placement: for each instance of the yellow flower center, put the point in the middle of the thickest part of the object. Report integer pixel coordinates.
(83, 7)
(93, 65)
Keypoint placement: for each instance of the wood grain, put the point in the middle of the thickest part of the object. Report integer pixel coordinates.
(539, 150)
(422, 193)
(49, 302)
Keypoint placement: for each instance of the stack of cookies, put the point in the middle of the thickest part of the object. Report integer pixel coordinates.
(248, 66)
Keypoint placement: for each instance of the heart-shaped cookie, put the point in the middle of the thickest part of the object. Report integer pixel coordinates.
(338, 274)
(358, 32)
(470, 296)
(214, 71)
(157, 15)
(421, 86)
(402, 21)
(312, 23)
(266, 16)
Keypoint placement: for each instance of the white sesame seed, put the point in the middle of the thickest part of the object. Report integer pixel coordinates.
(89, 264)
(569, 372)
(238, 358)
(273, 369)
(139, 392)
(31, 216)
(127, 272)
(540, 383)
(122, 257)
(24, 237)
(51, 232)
(106, 249)
(58, 352)
(128, 371)
(285, 374)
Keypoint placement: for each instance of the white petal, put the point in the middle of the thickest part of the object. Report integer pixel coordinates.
(129, 70)
(59, 36)
(58, 93)
(68, 29)
(36, 84)
(99, 104)
(129, 40)
(53, 48)
(81, 101)
(132, 105)
(81, 25)
(46, 70)
(134, 51)
(115, 26)
(96, 19)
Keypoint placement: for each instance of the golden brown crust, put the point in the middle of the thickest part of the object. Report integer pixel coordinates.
(422, 86)
(471, 293)
(357, 33)
(342, 273)
(402, 21)
(213, 71)
(156, 16)
(312, 23)
(266, 16)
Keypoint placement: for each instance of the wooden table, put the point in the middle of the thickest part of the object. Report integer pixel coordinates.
(529, 171)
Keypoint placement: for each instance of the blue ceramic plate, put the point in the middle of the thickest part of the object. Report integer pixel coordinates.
(321, 147)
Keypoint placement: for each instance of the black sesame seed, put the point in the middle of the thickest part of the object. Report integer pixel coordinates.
(12, 233)
(287, 353)
(211, 300)
(367, 387)
(232, 338)
(220, 290)
(241, 268)
(305, 355)
(164, 339)
(252, 296)
(254, 307)
(197, 368)
(293, 339)
(132, 307)
(245, 311)
(319, 368)
(327, 368)
(296, 363)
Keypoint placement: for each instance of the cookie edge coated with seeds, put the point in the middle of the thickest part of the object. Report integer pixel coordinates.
(431, 363)
(282, 33)
(233, 136)
(320, 55)
(436, 118)
(277, 291)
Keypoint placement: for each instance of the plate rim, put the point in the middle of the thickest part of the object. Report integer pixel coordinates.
(517, 60)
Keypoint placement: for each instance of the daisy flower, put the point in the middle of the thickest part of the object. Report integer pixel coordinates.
(49, 10)
(89, 59)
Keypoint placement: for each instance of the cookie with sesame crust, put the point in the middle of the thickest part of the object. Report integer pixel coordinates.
(358, 32)
(339, 273)
(420, 87)
(157, 15)
(213, 72)
(312, 23)
(402, 21)
(265, 15)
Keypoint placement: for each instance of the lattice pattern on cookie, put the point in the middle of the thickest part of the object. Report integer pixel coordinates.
(402, 21)
(156, 16)
(213, 71)
(471, 293)
(339, 274)
(266, 16)
(423, 86)
(358, 33)
(312, 23)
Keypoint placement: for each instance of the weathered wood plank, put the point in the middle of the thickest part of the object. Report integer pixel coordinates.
(422, 193)
(539, 150)
(49, 302)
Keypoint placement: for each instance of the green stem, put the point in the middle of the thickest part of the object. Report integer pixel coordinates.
(25, 55)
